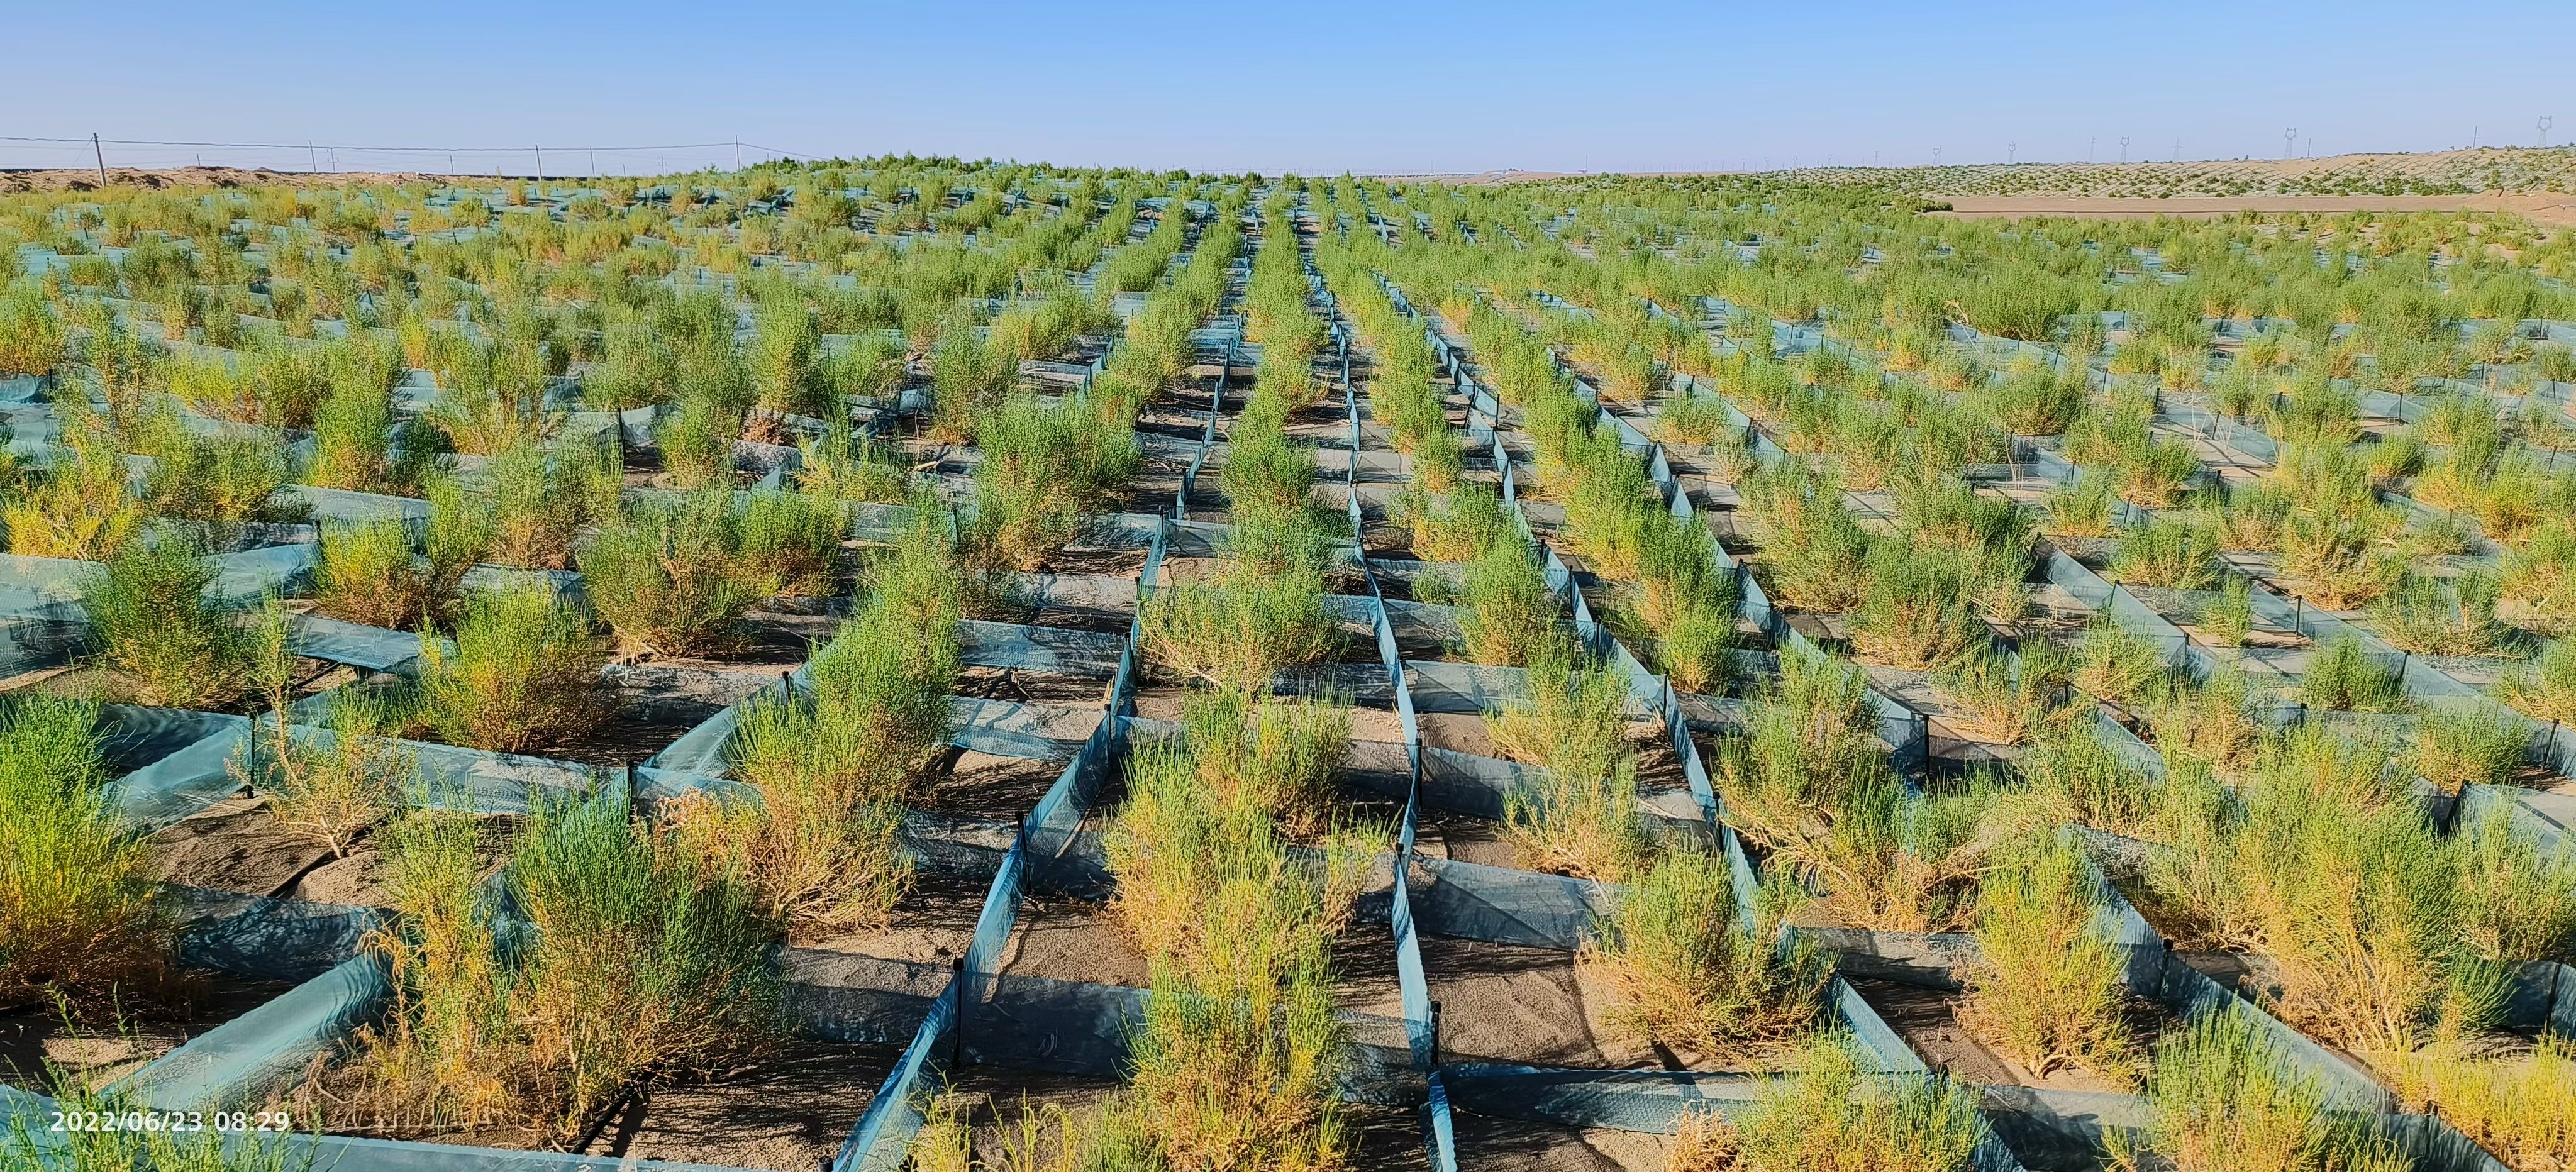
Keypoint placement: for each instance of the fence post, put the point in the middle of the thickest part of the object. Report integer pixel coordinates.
(957, 1018)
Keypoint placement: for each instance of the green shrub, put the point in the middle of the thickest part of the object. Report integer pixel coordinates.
(538, 503)
(1832, 1113)
(2082, 509)
(668, 578)
(2546, 689)
(2048, 987)
(150, 616)
(1915, 608)
(1473, 521)
(792, 542)
(2175, 553)
(79, 508)
(2221, 1095)
(31, 335)
(833, 766)
(1253, 617)
(80, 911)
(2345, 678)
(2456, 747)
(1043, 468)
(643, 961)
(1509, 613)
(1579, 812)
(520, 673)
(367, 572)
(1683, 968)
(2228, 618)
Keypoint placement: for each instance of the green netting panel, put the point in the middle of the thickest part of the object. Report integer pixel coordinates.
(355, 644)
(266, 936)
(243, 1061)
(185, 779)
(1472, 901)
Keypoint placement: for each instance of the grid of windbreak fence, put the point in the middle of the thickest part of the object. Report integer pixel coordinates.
(340, 987)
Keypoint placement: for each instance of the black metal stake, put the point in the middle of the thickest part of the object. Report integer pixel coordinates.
(1435, 1035)
(957, 991)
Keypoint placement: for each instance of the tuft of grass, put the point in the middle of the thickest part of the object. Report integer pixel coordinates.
(831, 768)
(1683, 969)
(2175, 553)
(1832, 1115)
(2523, 1111)
(150, 615)
(644, 960)
(80, 914)
(1510, 614)
(1693, 419)
(2517, 904)
(2227, 619)
(2461, 747)
(668, 579)
(2221, 1095)
(520, 673)
(1810, 738)
(2345, 678)
(848, 467)
(2048, 987)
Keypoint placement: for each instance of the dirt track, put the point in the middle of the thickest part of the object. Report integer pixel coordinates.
(2547, 209)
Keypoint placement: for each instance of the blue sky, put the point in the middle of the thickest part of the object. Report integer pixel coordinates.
(1315, 86)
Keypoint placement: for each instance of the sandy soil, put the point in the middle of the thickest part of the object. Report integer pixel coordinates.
(1513, 1145)
(235, 845)
(1071, 940)
(1515, 1003)
(31, 1038)
(787, 1111)
(1928, 1021)
(929, 925)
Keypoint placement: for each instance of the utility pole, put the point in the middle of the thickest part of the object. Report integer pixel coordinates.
(737, 154)
(541, 169)
(2546, 121)
(101, 155)
(2124, 150)
(2012, 153)
(2289, 137)
(312, 158)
